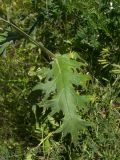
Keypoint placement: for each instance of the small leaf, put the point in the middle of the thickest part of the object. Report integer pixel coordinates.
(47, 146)
(3, 47)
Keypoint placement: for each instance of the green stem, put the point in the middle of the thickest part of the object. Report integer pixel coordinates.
(38, 44)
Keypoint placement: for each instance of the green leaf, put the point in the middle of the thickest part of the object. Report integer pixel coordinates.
(65, 75)
(3, 47)
(47, 146)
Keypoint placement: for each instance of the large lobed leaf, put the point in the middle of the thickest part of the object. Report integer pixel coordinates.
(60, 90)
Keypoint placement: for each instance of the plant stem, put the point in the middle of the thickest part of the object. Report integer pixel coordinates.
(38, 44)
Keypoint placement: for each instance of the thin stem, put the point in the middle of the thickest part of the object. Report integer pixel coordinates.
(38, 44)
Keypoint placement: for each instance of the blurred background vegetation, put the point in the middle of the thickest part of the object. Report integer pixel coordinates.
(89, 28)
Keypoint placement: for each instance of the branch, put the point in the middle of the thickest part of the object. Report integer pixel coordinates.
(40, 45)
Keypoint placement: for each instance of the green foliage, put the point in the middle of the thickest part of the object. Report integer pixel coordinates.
(34, 121)
(11, 151)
